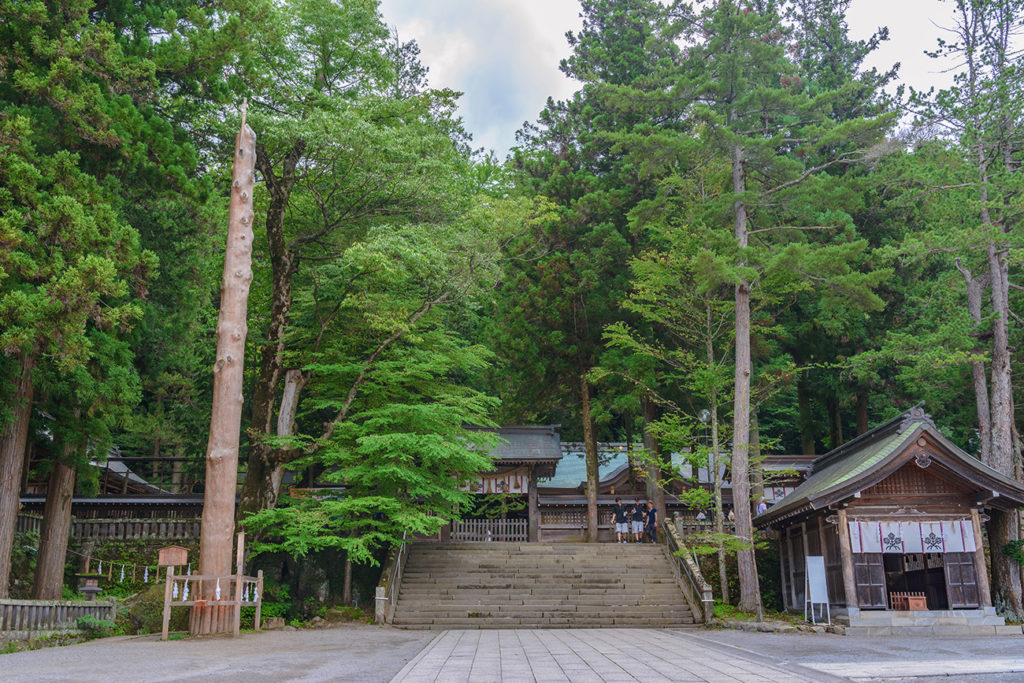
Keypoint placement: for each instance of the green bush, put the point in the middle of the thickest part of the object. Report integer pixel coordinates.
(95, 628)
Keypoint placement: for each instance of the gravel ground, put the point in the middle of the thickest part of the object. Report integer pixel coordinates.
(356, 652)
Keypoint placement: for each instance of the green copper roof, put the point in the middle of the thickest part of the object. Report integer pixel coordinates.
(844, 470)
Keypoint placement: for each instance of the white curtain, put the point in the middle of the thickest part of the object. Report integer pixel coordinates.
(952, 536)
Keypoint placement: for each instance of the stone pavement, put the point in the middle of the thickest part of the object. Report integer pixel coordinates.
(611, 655)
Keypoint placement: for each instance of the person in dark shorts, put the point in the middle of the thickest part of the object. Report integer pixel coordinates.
(652, 522)
(621, 515)
(639, 513)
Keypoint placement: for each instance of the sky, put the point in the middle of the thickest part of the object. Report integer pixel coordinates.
(503, 54)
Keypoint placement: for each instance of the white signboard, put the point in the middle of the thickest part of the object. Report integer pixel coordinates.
(816, 587)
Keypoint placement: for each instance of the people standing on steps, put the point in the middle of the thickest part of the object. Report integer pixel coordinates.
(638, 514)
(652, 522)
(762, 506)
(621, 515)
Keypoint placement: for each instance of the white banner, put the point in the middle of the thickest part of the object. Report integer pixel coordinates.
(951, 536)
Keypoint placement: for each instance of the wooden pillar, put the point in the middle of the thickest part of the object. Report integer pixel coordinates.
(792, 568)
(823, 542)
(846, 555)
(534, 509)
(782, 574)
(980, 567)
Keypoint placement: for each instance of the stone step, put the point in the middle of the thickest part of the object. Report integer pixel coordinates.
(495, 585)
(595, 605)
(552, 622)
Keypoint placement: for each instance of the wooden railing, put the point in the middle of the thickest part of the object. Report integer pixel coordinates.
(25, 617)
(470, 530)
(135, 528)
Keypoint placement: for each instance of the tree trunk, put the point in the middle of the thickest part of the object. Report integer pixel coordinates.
(975, 289)
(218, 525)
(56, 530)
(259, 491)
(835, 412)
(590, 445)
(12, 458)
(756, 471)
(262, 485)
(715, 469)
(655, 485)
(1004, 526)
(750, 593)
(346, 589)
(806, 424)
(629, 452)
(1002, 390)
(862, 411)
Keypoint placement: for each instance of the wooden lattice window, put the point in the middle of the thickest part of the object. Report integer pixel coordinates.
(912, 480)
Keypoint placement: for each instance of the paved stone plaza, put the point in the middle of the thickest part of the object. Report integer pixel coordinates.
(373, 654)
(613, 655)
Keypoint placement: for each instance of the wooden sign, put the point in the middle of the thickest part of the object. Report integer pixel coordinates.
(172, 556)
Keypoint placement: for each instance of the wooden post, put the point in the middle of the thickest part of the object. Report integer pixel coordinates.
(782, 574)
(846, 555)
(980, 567)
(226, 415)
(534, 510)
(259, 598)
(792, 568)
(167, 602)
(239, 557)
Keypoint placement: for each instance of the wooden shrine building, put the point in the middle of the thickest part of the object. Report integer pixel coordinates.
(524, 454)
(895, 511)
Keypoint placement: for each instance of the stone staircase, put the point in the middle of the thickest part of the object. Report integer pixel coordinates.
(539, 585)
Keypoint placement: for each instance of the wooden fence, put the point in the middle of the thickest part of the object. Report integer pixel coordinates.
(26, 617)
(130, 529)
(27, 522)
(119, 529)
(491, 530)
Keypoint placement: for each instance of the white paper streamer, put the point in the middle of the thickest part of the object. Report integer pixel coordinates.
(189, 569)
(100, 569)
(184, 595)
(145, 575)
(216, 591)
(121, 580)
(174, 590)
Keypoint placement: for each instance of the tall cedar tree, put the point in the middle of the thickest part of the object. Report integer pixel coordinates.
(983, 112)
(777, 136)
(559, 305)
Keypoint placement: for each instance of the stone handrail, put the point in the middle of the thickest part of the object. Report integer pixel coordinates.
(28, 617)
(390, 577)
(695, 589)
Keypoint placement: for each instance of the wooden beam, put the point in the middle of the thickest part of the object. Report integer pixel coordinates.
(980, 567)
(846, 553)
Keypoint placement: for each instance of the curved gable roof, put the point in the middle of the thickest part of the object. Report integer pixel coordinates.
(876, 454)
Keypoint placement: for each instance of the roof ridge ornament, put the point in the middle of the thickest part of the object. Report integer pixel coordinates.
(914, 415)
